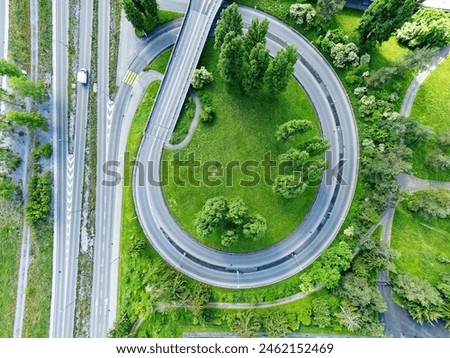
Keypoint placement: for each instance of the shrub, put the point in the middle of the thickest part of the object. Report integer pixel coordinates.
(201, 78)
(303, 14)
(433, 203)
(208, 115)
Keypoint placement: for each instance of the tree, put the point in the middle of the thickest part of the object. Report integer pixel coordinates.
(256, 34)
(303, 14)
(295, 159)
(208, 114)
(382, 18)
(201, 78)
(255, 228)
(245, 324)
(289, 186)
(281, 69)
(321, 314)
(438, 160)
(344, 55)
(27, 88)
(294, 127)
(230, 21)
(237, 211)
(9, 69)
(327, 8)
(143, 14)
(420, 298)
(413, 132)
(349, 317)
(122, 327)
(32, 120)
(428, 27)
(380, 77)
(258, 63)
(418, 57)
(431, 203)
(315, 146)
(277, 325)
(231, 57)
(201, 294)
(211, 215)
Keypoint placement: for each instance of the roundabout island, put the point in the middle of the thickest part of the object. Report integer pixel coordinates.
(323, 222)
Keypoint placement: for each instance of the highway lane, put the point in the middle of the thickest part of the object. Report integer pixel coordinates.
(60, 15)
(327, 214)
(69, 168)
(102, 252)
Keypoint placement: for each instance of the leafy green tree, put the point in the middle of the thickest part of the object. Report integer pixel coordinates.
(281, 69)
(212, 214)
(427, 27)
(143, 14)
(379, 77)
(208, 114)
(255, 228)
(256, 34)
(277, 325)
(201, 78)
(413, 132)
(349, 317)
(258, 63)
(344, 55)
(315, 146)
(431, 203)
(231, 57)
(418, 57)
(382, 18)
(327, 8)
(229, 237)
(295, 158)
(201, 295)
(237, 211)
(289, 186)
(230, 22)
(32, 120)
(9, 69)
(294, 127)
(438, 160)
(420, 298)
(321, 313)
(27, 88)
(39, 198)
(245, 324)
(303, 14)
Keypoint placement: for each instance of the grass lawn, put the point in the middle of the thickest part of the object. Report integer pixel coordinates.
(160, 63)
(243, 130)
(19, 33)
(421, 243)
(432, 108)
(39, 287)
(11, 237)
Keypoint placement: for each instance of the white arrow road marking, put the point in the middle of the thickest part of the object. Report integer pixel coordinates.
(109, 117)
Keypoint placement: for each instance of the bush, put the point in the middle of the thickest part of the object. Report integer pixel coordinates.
(303, 14)
(208, 115)
(428, 27)
(344, 55)
(433, 203)
(201, 78)
(45, 151)
(38, 206)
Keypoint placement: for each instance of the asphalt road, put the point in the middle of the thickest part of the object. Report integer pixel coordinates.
(69, 168)
(333, 201)
(102, 248)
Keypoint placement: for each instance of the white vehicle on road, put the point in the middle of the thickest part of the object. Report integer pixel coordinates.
(82, 76)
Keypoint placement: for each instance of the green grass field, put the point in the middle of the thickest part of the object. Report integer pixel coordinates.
(243, 131)
(160, 63)
(421, 243)
(39, 287)
(432, 108)
(11, 237)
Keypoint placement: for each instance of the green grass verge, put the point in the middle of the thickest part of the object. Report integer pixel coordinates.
(432, 108)
(421, 243)
(39, 286)
(20, 33)
(11, 237)
(243, 130)
(45, 40)
(160, 63)
(184, 122)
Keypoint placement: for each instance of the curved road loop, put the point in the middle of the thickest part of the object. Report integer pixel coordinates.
(335, 194)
